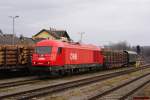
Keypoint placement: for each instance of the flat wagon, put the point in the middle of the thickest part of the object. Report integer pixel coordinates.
(15, 56)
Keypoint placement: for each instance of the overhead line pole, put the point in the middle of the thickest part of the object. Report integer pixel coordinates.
(13, 18)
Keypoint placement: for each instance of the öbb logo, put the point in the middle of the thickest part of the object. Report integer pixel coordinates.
(73, 56)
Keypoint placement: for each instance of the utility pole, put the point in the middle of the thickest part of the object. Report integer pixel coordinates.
(13, 18)
(81, 37)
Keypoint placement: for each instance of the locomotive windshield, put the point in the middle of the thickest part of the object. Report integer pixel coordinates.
(43, 49)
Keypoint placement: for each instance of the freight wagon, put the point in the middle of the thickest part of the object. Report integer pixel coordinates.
(114, 58)
(15, 57)
(131, 57)
(119, 58)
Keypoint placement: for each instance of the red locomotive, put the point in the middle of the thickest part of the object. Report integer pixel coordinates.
(52, 55)
(56, 56)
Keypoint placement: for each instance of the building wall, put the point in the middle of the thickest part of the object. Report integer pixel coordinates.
(44, 35)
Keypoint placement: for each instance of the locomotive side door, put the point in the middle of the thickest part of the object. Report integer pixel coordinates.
(59, 56)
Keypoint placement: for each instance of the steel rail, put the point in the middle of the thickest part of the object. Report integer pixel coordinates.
(18, 83)
(31, 80)
(134, 90)
(63, 86)
(109, 91)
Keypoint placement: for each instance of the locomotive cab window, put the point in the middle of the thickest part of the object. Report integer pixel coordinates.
(59, 51)
(43, 49)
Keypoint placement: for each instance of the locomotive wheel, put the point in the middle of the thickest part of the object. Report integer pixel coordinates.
(61, 72)
(75, 71)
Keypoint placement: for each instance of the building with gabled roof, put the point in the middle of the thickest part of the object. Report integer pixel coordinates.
(52, 35)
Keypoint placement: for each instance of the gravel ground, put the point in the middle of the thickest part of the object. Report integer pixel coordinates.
(126, 89)
(144, 92)
(82, 93)
(17, 79)
(48, 82)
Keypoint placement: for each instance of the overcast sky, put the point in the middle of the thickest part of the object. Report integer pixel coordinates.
(102, 21)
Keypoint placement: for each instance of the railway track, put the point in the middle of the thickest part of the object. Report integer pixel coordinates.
(30, 80)
(19, 82)
(61, 87)
(123, 91)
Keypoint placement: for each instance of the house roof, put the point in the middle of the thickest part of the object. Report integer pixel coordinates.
(56, 33)
(29, 40)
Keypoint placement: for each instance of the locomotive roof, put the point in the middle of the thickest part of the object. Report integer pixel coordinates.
(66, 44)
(131, 52)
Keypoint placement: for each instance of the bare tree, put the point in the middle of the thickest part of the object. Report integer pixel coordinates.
(1, 32)
(122, 45)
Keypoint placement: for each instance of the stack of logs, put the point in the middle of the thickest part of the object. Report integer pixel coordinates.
(13, 55)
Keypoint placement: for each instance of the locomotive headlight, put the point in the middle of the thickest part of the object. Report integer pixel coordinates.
(34, 62)
(48, 62)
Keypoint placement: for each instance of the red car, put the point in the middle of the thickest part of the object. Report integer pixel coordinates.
(52, 55)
